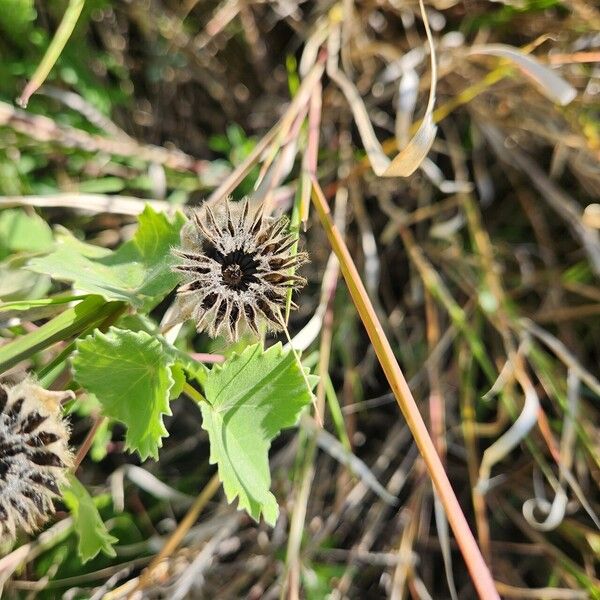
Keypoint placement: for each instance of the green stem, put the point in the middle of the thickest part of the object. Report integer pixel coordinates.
(60, 39)
(27, 304)
(193, 393)
(70, 323)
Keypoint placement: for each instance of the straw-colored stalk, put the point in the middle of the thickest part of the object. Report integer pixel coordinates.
(479, 571)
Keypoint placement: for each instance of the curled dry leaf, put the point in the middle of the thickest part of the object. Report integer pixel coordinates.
(551, 85)
(517, 432)
(408, 160)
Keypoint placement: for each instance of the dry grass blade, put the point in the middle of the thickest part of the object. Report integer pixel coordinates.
(555, 511)
(553, 86)
(308, 334)
(308, 468)
(309, 160)
(437, 417)
(176, 538)
(224, 14)
(89, 203)
(44, 129)
(407, 161)
(234, 178)
(28, 552)
(479, 571)
(85, 108)
(516, 433)
(407, 541)
(272, 139)
(151, 484)
(336, 450)
(564, 206)
(548, 593)
(561, 351)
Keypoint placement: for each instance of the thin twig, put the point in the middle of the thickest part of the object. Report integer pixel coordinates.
(178, 535)
(176, 538)
(87, 443)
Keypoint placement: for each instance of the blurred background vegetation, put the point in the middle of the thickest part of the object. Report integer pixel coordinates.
(487, 256)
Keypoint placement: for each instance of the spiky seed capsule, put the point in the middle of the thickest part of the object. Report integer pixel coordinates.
(237, 266)
(34, 455)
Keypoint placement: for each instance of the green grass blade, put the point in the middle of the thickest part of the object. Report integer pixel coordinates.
(60, 39)
(72, 321)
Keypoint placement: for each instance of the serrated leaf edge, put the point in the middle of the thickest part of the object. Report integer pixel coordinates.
(232, 494)
(155, 342)
(275, 351)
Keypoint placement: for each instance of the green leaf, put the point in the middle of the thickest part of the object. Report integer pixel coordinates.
(91, 531)
(21, 232)
(250, 399)
(154, 238)
(129, 372)
(114, 280)
(17, 17)
(139, 272)
(18, 284)
(178, 373)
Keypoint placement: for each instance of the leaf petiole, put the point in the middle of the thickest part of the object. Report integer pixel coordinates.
(193, 393)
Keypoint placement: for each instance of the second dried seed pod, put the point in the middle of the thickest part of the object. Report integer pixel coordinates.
(34, 455)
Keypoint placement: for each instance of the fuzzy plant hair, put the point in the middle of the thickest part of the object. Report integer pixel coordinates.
(34, 455)
(238, 266)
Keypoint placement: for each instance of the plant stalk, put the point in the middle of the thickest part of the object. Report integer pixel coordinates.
(479, 571)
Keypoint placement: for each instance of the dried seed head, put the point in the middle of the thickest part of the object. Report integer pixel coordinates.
(236, 265)
(34, 455)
